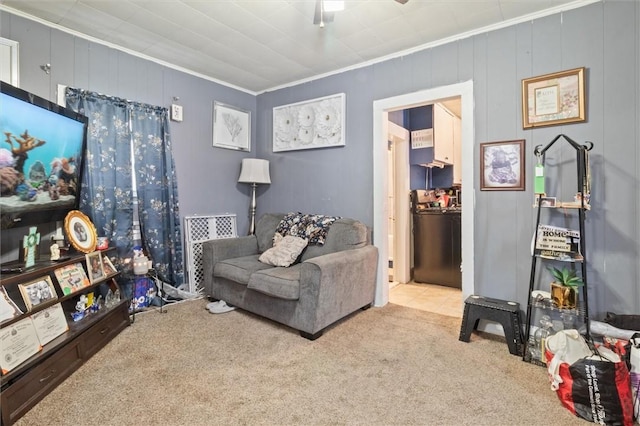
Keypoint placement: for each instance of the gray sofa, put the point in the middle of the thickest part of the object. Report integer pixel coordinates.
(328, 282)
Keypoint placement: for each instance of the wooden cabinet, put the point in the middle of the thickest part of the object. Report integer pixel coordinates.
(26, 384)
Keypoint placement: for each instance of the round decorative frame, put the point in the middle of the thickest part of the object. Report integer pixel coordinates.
(80, 231)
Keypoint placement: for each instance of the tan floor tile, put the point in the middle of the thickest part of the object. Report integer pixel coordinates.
(428, 297)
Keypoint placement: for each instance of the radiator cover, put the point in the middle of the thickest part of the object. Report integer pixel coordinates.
(200, 228)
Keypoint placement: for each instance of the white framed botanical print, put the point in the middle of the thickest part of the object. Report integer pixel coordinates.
(231, 127)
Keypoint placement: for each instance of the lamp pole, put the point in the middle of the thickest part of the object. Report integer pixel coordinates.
(252, 209)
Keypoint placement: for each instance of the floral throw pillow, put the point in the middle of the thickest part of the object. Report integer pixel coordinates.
(313, 227)
(285, 253)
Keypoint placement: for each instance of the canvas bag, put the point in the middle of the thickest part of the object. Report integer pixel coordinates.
(595, 387)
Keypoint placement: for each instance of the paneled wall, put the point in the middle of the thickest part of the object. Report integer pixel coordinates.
(207, 176)
(603, 37)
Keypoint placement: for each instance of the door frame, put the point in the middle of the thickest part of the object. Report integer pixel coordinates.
(399, 137)
(381, 109)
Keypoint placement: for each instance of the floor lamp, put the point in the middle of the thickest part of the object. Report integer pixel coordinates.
(254, 171)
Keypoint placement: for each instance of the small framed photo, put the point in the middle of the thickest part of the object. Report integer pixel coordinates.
(94, 266)
(231, 127)
(545, 202)
(71, 278)
(107, 266)
(552, 99)
(502, 166)
(38, 292)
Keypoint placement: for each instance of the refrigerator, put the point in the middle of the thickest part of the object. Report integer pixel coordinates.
(437, 247)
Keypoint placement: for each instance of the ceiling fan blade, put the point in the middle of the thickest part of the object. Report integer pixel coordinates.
(321, 16)
(402, 1)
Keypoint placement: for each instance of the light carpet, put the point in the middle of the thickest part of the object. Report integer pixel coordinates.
(384, 366)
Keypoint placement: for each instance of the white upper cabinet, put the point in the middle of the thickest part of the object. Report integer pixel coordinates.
(442, 135)
(457, 151)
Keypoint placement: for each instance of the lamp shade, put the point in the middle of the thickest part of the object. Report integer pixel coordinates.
(254, 170)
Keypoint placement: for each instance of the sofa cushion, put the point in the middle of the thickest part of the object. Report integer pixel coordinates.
(239, 269)
(266, 228)
(285, 252)
(343, 234)
(283, 283)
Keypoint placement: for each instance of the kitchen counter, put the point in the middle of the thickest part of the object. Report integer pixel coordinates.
(439, 210)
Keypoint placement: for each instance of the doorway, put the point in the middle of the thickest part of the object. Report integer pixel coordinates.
(381, 180)
(399, 225)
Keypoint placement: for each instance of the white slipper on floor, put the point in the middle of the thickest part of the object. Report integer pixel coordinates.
(220, 308)
(214, 304)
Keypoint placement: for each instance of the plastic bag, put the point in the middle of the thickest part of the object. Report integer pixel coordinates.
(633, 362)
(596, 387)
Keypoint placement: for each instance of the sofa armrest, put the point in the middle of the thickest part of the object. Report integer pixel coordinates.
(339, 283)
(213, 251)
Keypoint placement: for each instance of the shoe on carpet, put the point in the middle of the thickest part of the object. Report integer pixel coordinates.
(214, 304)
(220, 307)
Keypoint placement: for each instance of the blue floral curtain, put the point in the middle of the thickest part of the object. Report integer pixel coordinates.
(157, 190)
(125, 136)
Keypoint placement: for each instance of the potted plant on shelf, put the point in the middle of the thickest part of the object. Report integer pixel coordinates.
(564, 290)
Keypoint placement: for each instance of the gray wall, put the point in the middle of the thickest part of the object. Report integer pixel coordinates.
(207, 176)
(603, 37)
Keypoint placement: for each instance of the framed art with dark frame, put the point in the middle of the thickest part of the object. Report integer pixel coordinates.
(502, 166)
(95, 266)
(231, 127)
(552, 99)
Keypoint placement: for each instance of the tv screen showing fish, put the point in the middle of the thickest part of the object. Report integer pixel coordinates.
(41, 156)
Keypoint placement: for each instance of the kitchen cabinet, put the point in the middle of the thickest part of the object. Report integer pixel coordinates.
(457, 151)
(442, 135)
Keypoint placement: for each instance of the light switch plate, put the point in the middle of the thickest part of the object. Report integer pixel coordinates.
(176, 112)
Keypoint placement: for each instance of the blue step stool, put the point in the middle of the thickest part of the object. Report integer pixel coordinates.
(504, 312)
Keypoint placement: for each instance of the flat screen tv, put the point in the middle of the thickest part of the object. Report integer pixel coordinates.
(41, 155)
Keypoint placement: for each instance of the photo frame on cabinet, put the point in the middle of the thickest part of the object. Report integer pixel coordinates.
(552, 99)
(8, 308)
(231, 127)
(316, 123)
(94, 266)
(107, 266)
(37, 292)
(502, 166)
(71, 278)
(545, 201)
(80, 231)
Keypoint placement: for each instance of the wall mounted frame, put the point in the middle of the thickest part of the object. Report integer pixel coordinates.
(502, 166)
(553, 99)
(316, 123)
(231, 127)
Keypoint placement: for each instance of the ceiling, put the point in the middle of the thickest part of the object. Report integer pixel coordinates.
(258, 45)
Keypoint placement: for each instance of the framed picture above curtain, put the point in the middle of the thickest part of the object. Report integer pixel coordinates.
(316, 123)
(231, 127)
(502, 166)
